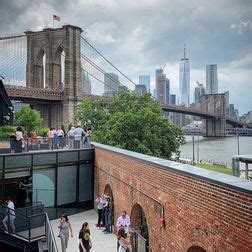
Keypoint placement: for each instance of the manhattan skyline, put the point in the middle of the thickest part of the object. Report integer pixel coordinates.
(141, 37)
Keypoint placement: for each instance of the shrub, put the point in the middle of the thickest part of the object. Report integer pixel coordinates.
(6, 131)
(42, 132)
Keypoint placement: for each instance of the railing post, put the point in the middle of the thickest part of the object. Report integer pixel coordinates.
(29, 222)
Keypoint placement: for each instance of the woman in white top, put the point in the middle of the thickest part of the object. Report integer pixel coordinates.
(19, 140)
(123, 240)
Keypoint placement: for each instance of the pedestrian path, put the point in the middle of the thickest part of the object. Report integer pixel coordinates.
(101, 242)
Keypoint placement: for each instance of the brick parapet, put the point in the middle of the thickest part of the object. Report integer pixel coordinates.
(198, 211)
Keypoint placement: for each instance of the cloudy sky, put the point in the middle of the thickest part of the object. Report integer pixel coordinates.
(140, 36)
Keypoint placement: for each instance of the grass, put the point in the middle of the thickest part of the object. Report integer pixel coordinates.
(215, 168)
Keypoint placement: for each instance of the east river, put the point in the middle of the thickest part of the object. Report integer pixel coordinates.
(216, 149)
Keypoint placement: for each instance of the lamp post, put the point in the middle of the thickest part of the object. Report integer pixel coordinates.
(193, 150)
(198, 148)
(238, 141)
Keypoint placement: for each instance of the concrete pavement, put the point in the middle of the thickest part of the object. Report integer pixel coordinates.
(101, 242)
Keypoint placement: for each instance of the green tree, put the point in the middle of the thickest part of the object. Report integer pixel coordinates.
(133, 122)
(28, 118)
(91, 113)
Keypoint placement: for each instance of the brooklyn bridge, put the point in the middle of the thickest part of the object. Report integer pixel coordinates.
(46, 68)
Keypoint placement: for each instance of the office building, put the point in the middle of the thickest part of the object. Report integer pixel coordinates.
(86, 83)
(211, 79)
(145, 80)
(184, 81)
(173, 99)
(198, 92)
(162, 87)
(140, 89)
(111, 85)
(227, 99)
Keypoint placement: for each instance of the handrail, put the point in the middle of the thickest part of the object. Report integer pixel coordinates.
(30, 222)
(50, 238)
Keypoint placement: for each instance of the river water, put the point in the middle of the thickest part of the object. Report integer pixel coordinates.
(216, 149)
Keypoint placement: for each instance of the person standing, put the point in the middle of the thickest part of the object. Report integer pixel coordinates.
(60, 134)
(64, 227)
(123, 240)
(70, 136)
(100, 200)
(50, 135)
(87, 139)
(107, 215)
(78, 133)
(85, 243)
(123, 222)
(19, 140)
(10, 217)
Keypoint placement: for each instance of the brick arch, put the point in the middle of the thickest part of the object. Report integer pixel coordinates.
(136, 215)
(196, 249)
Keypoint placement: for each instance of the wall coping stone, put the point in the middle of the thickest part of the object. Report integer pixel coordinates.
(214, 177)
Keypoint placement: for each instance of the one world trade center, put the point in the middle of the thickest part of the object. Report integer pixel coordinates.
(184, 81)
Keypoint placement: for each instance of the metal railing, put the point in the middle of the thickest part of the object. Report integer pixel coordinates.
(10, 145)
(27, 227)
(50, 238)
(138, 242)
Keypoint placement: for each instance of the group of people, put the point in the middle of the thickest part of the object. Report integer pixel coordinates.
(85, 243)
(76, 137)
(104, 207)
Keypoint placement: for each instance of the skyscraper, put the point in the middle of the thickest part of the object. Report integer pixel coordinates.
(198, 92)
(162, 87)
(173, 99)
(111, 85)
(86, 83)
(211, 79)
(184, 81)
(145, 80)
(140, 89)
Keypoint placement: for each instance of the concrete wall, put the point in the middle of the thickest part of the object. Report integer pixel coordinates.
(201, 208)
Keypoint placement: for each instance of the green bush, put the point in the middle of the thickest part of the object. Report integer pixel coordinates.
(6, 131)
(42, 132)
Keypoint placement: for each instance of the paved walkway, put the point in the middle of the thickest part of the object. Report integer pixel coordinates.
(101, 242)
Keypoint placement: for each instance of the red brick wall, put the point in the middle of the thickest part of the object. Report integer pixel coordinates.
(197, 212)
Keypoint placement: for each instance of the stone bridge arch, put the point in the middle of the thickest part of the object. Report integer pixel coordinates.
(195, 248)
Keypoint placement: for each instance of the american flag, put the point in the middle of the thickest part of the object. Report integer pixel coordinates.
(57, 18)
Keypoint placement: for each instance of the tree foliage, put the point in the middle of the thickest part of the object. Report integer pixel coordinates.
(133, 122)
(28, 118)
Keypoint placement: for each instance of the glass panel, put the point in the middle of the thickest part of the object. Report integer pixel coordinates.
(44, 187)
(66, 192)
(17, 161)
(1, 163)
(17, 174)
(86, 182)
(87, 155)
(43, 159)
(141, 244)
(68, 156)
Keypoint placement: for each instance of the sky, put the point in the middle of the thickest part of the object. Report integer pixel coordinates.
(141, 36)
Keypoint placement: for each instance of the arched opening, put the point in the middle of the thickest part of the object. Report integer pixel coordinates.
(108, 191)
(59, 69)
(196, 249)
(40, 70)
(140, 229)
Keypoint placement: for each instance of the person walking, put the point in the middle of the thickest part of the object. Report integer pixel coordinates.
(85, 243)
(10, 217)
(50, 135)
(123, 240)
(64, 227)
(61, 135)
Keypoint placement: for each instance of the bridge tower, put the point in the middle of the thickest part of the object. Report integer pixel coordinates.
(216, 104)
(51, 43)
